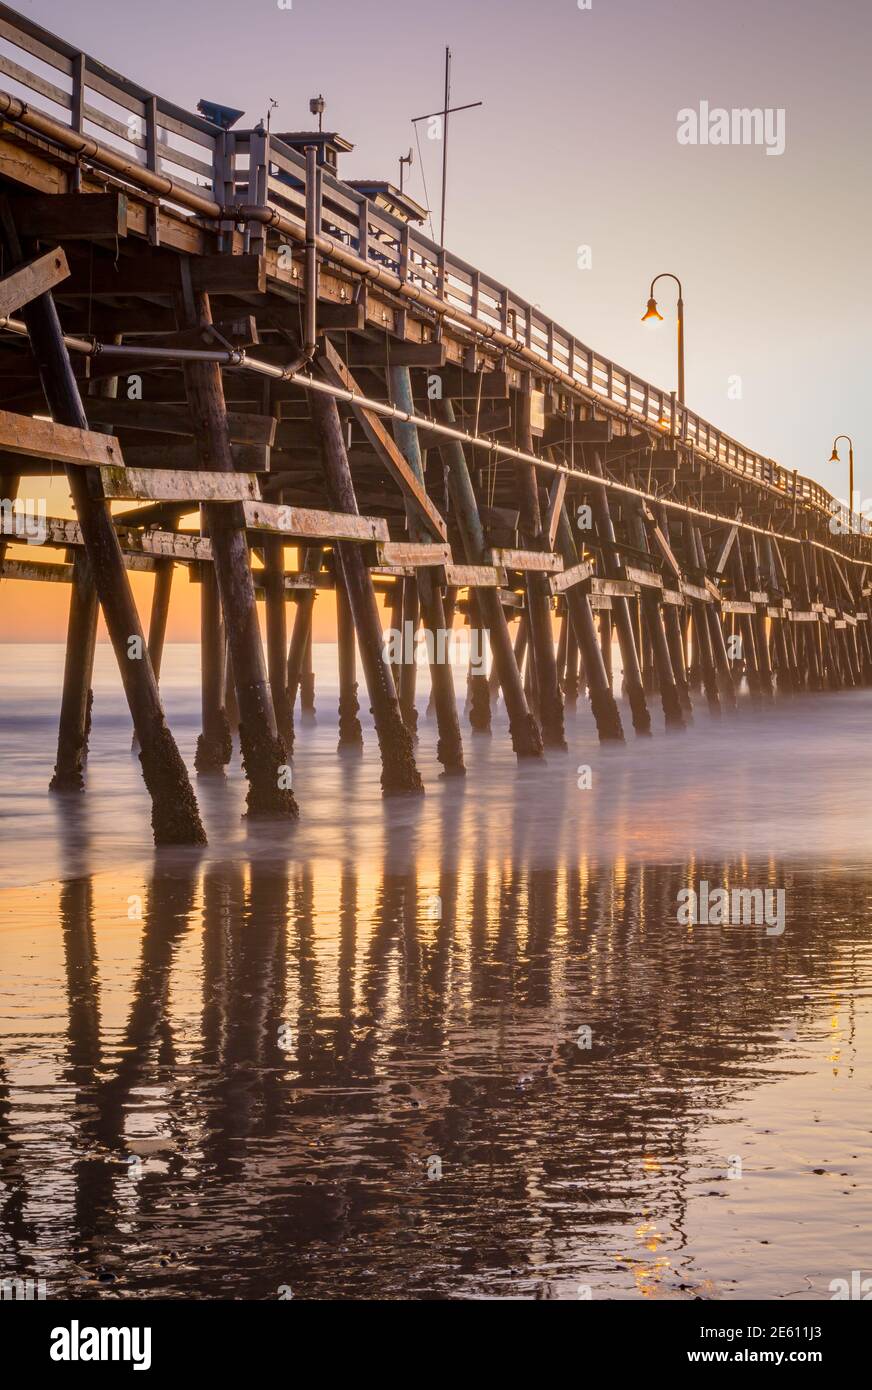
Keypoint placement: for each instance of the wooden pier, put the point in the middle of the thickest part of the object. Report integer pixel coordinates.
(230, 351)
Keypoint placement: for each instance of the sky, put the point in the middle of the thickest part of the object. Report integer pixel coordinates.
(576, 146)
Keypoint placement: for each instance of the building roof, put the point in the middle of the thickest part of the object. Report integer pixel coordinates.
(314, 137)
(386, 195)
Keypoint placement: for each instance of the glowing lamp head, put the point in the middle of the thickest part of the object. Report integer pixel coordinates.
(834, 456)
(652, 311)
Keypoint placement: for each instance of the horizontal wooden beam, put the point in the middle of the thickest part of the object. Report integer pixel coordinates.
(420, 556)
(474, 576)
(695, 591)
(485, 419)
(611, 588)
(394, 571)
(189, 547)
(540, 560)
(63, 532)
(22, 434)
(239, 331)
(477, 386)
(71, 216)
(26, 282)
(293, 581)
(576, 574)
(49, 572)
(175, 419)
(349, 318)
(160, 274)
(247, 458)
(561, 430)
(36, 569)
(646, 578)
(623, 444)
(161, 485)
(391, 353)
(310, 524)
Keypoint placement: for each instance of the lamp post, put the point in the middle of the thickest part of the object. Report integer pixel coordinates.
(652, 312)
(834, 458)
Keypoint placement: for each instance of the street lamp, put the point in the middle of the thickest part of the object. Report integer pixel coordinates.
(834, 458)
(652, 312)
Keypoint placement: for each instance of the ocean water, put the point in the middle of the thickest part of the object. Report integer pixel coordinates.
(461, 1046)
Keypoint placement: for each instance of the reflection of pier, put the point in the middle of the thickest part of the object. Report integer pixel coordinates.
(296, 1047)
(229, 336)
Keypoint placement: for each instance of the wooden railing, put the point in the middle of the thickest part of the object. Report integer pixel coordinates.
(250, 167)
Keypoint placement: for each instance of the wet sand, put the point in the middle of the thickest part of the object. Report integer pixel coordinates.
(343, 1060)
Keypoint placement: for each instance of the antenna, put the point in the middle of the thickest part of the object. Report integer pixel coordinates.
(444, 114)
